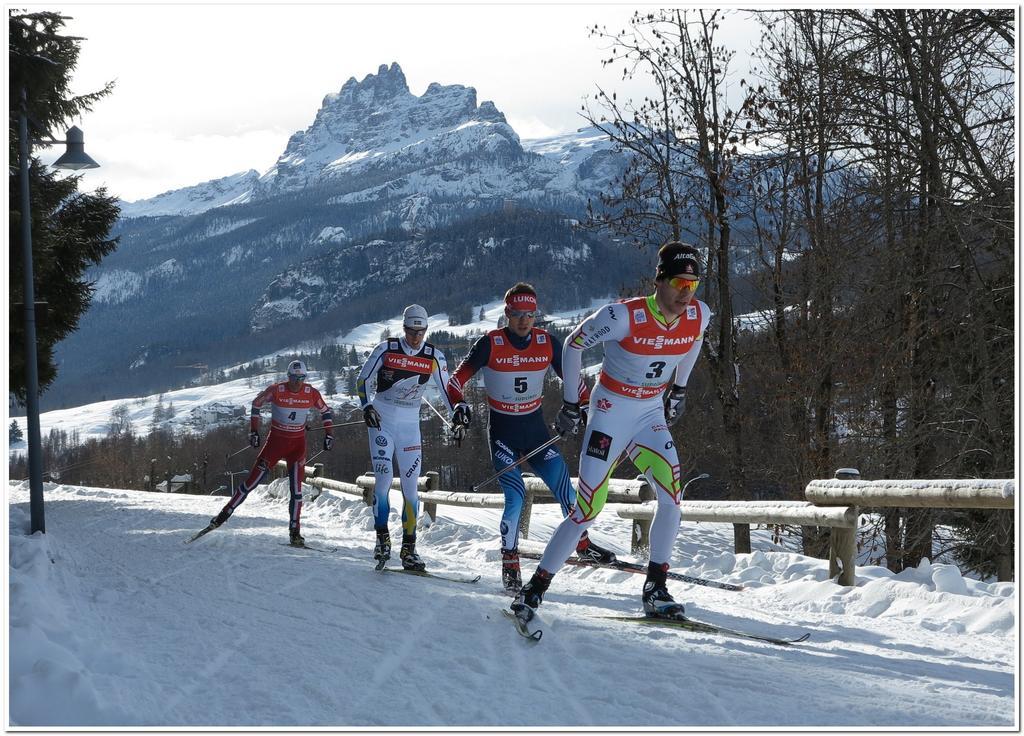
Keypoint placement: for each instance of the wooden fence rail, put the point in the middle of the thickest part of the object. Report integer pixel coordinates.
(933, 494)
(843, 546)
(833, 503)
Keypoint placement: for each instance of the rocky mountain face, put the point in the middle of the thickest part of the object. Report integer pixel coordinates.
(378, 129)
(386, 198)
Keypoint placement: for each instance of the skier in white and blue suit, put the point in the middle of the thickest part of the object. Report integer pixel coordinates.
(398, 371)
(514, 361)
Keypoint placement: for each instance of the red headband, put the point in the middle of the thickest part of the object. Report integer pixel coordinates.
(522, 302)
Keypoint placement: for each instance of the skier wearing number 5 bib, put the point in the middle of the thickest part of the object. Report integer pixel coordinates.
(650, 346)
(290, 401)
(514, 361)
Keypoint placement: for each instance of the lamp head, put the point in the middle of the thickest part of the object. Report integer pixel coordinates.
(75, 157)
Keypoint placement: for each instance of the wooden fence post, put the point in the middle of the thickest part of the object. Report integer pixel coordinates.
(368, 492)
(433, 483)
(842, 555)
(1004, 540)
(741, 538)
(842, 544)
(640, 539)
(524, 518)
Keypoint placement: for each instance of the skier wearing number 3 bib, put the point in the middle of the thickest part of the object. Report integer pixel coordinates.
(650, 346)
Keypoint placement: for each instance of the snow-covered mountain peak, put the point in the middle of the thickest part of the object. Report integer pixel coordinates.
(377, 124)
(388, 82)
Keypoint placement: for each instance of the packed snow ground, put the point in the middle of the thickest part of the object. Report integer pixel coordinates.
(115, 622)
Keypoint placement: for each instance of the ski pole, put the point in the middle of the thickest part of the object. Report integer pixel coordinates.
(309, 460)
(517, 463)
(434, 409)
(228, 457)
(335, 426)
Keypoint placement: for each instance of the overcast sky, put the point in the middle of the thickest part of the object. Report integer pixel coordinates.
(207, 91)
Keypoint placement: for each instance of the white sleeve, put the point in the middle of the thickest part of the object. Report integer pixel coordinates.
(690, 359)
(607, 323)
(441, 378)
(369, 373)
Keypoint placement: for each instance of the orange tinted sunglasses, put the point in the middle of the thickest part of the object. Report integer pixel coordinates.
(684, 284)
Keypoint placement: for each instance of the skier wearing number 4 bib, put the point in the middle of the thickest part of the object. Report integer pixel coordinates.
(399, 370)
(290, 401)
(514, 361)
(650, 346)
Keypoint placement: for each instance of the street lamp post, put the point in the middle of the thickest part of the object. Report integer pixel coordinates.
(75, 158)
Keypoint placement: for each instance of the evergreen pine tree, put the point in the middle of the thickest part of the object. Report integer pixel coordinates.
(14, 433)
(70, 230)
(159, 414)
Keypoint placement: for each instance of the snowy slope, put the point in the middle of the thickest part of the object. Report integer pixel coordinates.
(93, 420)
(366, 336)
(134, 628)
(233, 189)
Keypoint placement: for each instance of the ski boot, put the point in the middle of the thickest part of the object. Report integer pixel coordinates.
(511, 577)
(295, 539)
(411, 560)
(224, 515)
(382, 550)
(532, 594)
(658, 602)
(589, 551)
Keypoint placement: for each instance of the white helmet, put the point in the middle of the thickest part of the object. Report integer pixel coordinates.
(297, 369)
(415, 317)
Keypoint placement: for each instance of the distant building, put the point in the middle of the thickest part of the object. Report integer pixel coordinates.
(178, 482)
(217, 411)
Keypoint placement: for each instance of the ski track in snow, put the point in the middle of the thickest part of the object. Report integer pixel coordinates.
(135, 628)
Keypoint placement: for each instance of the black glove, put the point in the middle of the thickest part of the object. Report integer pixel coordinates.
(584, 415)
(460, 421)
(254, 438)
(328, 442)
(675, 403)
(371, 417)
(568, 418)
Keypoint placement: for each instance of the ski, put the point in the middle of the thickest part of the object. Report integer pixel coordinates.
(521, 626)
(639, 569)
(206, 530)
(307, 546)
(426, 574)
(705, 628)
